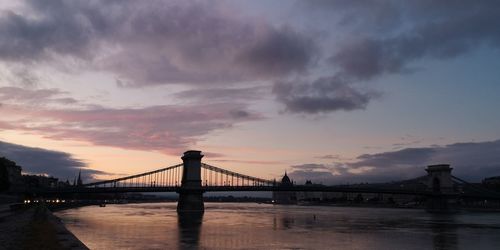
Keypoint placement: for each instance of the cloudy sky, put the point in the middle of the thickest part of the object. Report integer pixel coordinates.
(335, 91)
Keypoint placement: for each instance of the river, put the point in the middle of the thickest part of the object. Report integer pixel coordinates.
(264, 226)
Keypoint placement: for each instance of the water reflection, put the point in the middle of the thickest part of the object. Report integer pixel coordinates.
(189, 224)
(444, 232)
(287, 222)
(261, 226)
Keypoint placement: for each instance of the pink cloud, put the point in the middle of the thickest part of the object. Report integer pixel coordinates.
(167, 128)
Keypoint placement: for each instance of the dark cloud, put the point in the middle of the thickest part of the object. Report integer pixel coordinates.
(404, 158)
(322, 95)
(335, 173)
(205, 43)
(48, 29)
(386, 37)
(154, 42)
(319, 173)
(365, 59)
(282, 51)
(42, 161)
(471, 161)
(425, 29)
(378, 15)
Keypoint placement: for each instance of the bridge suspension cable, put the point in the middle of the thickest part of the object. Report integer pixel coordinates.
(215, 176)
(484, 192)
(172, 177)
(165, 177)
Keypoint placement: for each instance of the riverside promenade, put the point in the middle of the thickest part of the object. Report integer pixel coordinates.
(34, 228)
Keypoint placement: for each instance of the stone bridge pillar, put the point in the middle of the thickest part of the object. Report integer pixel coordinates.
(191, 193)
(440, 184)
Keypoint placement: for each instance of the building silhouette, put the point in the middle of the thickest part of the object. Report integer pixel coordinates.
(285, 197)
(10, 175)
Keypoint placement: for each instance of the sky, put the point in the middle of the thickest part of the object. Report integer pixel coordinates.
(335, 91)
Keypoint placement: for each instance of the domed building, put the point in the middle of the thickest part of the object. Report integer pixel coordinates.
(285, 181)
(285, 197)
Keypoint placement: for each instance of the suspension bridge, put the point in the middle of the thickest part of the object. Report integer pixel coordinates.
(192, 178)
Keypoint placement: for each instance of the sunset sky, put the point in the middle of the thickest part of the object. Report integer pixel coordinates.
(337, 91)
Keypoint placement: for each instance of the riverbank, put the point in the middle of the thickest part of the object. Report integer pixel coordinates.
(36, 228)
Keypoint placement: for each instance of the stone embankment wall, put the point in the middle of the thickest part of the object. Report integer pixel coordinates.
(35, 228)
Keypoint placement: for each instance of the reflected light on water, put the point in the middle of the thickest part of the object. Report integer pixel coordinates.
(263, 226)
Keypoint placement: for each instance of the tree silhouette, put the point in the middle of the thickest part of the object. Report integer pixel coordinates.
(4, 175)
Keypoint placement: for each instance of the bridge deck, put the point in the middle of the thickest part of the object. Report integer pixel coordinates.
(338, 189)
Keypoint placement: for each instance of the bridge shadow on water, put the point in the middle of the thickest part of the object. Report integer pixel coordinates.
(189, 224)
(444, 231)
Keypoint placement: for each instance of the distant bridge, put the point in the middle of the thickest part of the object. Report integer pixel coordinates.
(192, 178)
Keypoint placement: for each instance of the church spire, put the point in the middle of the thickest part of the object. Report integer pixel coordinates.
(79, 181)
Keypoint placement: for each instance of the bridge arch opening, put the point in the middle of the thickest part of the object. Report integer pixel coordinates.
(439, 179)
(436, 185)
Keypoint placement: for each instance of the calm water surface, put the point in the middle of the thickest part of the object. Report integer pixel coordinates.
(262, 226)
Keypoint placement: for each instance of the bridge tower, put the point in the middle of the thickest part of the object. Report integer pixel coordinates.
(440, 184)
(191, 193)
